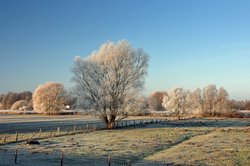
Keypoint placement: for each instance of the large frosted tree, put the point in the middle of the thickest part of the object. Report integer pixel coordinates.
(49, 98)
(110, 79)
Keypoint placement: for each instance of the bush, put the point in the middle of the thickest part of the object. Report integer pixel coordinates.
(18, 104)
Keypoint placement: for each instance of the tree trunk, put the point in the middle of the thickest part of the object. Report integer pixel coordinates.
(110, 124)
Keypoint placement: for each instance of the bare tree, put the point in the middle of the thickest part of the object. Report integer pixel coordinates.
(49, 98)
(178, 102)
(110, 79)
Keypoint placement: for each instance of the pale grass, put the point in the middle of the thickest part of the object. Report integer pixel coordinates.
(11, 138)
(125, 143)
(221, 147)
(155, 142)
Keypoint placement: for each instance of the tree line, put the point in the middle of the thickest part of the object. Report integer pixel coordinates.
(7, 100)
(110, 81)
(208, 101)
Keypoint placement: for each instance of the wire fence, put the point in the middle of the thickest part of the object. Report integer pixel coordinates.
(44, 133)
(50, 132)
(24, 158)
(108, 161)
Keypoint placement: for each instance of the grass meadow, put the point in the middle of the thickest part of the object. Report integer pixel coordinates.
(185, 142)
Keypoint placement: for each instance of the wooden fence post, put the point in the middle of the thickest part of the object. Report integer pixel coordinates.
(5, 138)
(16, 136)
(87, 127)
(97, 126)
(109, 160)
(128, 163)
(74, 128)
(62, 157)
(51, 134)
(16, 153)
(40, 133)
(58, 131)
(94, 128)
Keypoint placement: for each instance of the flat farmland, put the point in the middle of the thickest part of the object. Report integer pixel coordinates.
(186, 142)
(10, 124)
(30, 123)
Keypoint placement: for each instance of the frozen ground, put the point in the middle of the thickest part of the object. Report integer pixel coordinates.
(187, 142)
(30, 123)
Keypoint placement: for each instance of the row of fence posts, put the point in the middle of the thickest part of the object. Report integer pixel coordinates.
(109, 159)
(87, 128)
(5, 138)
(93, 127)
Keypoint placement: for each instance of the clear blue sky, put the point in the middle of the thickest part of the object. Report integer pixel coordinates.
(191, 42)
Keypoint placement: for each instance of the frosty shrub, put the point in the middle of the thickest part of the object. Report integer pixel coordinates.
(110, 80)
(18, 104)
(49, 98)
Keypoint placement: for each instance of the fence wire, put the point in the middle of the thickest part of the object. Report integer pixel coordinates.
(19, 157)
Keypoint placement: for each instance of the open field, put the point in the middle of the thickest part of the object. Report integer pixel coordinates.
(32, 123)
(187, 142)
(220, 147)
(25, 127)
(14, 118)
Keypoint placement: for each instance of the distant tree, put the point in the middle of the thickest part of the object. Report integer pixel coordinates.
(211, 101)
(178, 102)
(26, 95)
(247, 107)
(222, 104)
(1, 97)
(7, 100)
(155, 101)
(110, 80)
(49, 98)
